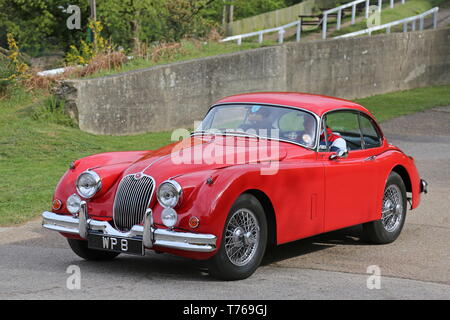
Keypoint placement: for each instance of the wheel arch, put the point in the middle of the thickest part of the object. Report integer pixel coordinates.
(269, 212)
(403, 173)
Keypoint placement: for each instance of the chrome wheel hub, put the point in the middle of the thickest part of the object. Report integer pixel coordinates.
(392, 208)
(242, 237)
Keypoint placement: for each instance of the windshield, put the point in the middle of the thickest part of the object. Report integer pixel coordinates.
(272, 122)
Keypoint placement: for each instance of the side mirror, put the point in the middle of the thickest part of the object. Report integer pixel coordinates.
(339, 155)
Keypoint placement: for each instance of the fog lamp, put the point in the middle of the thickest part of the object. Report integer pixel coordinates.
(73, 204)
(169, 217)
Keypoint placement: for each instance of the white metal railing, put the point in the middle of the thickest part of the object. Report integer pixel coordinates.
(404, 22)
(324, 21)
(353, 4)
(281, 31)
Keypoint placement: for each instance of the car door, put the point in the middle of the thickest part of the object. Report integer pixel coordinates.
(373, 147)
(346, 179)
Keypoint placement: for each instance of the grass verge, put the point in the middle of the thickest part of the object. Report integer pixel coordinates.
(36, 151)
(188, 50)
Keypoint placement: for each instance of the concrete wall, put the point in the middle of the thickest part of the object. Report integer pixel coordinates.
(172, 96)
(277, 18)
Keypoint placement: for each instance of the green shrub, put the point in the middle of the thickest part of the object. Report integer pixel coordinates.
(7, 71)
(52, 110)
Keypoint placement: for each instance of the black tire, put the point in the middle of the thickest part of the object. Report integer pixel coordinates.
(376, 231)
(220, 266)
(80, 247)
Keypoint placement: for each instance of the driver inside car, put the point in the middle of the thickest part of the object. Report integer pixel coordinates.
(309, 125)
(258, 119)
(335, 141)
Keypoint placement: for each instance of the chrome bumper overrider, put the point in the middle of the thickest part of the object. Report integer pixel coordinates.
(150, 236)
(423, 186)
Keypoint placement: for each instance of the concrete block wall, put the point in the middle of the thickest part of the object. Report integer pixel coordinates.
(175, 95)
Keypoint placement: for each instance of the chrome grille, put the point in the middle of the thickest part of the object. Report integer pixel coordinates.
(132, 200)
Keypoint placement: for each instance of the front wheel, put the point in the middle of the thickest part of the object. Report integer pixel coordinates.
(80, 247)
(393, 213)
(243, 242)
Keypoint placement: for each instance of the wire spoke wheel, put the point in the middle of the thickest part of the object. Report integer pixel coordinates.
(242, 237)
(392, 208)
(393, 213)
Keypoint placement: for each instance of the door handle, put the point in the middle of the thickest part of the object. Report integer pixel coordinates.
(371, 158)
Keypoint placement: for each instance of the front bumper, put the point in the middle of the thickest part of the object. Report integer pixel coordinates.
(150, 236)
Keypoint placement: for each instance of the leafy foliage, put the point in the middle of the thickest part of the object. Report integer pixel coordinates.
(12, 66)
(87, 51)
(40, 25)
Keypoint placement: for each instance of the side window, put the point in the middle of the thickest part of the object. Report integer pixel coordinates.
(371, 136)
(346, 125)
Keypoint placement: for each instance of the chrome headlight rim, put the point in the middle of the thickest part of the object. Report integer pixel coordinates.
(178, 191)
(98, 183)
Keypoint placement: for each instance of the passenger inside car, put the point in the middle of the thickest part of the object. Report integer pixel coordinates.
(333, 141)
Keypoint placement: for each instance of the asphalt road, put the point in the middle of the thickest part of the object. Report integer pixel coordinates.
(33, 262)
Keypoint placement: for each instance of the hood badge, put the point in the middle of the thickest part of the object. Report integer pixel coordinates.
(138, 175)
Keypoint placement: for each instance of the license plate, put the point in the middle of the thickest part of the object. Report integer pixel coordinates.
(116, 244)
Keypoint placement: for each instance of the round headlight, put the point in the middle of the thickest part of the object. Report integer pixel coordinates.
(169, 193)
(73, 204)
(88, 183)
(169, 217)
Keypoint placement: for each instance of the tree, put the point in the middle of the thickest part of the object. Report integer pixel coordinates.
(128, 22)
(39, 24)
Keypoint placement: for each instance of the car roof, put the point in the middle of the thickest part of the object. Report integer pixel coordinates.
(318, 104)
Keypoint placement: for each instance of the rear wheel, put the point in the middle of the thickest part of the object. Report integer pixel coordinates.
(80, 247)
(393, 213)
(244, 241)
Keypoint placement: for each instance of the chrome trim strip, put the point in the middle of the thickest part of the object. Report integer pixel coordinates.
(355, 111)
(151, 237)
(154, 161)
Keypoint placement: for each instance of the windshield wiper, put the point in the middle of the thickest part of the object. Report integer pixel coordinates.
(234, 132)
(202, 132)
(225, 133)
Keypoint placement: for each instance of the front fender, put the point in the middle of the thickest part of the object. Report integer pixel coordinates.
(109, 166)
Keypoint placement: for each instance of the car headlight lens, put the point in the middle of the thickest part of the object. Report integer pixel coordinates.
(169, 194)
(88, 183)
(169, 217)
(73, 204)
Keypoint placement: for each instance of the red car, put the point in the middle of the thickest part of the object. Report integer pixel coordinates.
(262, 169)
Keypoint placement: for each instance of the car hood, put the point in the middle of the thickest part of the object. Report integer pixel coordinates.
(206, 153)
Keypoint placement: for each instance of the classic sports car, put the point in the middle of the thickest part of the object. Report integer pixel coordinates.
(262, 169)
